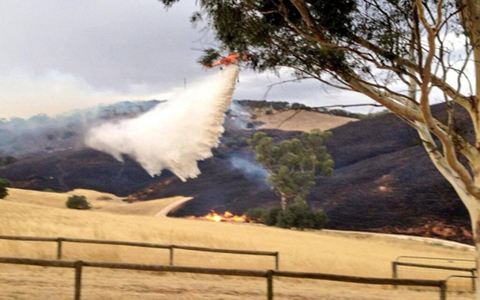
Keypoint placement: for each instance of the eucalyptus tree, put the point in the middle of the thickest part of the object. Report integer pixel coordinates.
(403, 54)
(293, 164)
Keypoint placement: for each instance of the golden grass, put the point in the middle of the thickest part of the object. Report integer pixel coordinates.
(292, 120)
(100, 201)
(308, 251)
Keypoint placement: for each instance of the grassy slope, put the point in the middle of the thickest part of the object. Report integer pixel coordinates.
(292, 120)
(114, 204)
(300, 251)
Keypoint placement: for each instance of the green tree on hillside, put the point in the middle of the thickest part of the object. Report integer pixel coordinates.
(4, 184)
(293, 164)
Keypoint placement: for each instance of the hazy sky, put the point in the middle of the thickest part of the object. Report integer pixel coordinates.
(58, 55)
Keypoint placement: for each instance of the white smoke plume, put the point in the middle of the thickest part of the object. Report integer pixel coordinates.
(173, 135)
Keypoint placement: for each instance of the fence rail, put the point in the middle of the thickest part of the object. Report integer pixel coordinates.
(61, 240)
(268, 274)
(440, 265)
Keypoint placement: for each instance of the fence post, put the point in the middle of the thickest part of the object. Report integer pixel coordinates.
(277, 261)
(59, 249)
(473, 280)
(171, 254)
(78, 279)
(269, 285)
(443, 290)
(394, 270)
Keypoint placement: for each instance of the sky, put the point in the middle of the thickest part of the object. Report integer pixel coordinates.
(58, 55)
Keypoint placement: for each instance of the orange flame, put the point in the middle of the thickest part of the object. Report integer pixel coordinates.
(226, 217)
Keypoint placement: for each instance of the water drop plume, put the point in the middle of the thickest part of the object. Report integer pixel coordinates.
(174, 135)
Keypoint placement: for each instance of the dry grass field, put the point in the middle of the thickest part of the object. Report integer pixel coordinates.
(293, 120)
(100, 201)
(308, 251)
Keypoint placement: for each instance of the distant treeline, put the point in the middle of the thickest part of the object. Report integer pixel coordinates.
(281, 105)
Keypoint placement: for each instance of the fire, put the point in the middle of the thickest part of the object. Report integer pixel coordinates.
(226, 217)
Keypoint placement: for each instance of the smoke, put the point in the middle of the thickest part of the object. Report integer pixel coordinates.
(249, 169)
(174, 135)
(238, 117)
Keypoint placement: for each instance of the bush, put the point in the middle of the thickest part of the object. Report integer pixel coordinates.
(301, 216)
(4, 184)
(269, 112)
(270, 216)
(254, 214)
(78, 202)
(7, 160)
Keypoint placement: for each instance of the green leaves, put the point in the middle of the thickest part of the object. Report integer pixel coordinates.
(293, 164)
(4, 184)
(209, 56)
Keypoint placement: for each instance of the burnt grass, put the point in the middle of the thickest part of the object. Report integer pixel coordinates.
(383, 180)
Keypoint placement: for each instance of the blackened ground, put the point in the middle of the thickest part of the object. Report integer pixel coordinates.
(383, 180)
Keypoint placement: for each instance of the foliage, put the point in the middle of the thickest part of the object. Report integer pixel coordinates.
(270, 216)
(254, 214)
(293, 164)
(301, 216)
(297, 215)
(7, 160)
(78, 202)
(236, 142)
(4, 184)
(210, 55)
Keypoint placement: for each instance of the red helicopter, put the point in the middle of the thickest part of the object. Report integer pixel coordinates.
(227, 60)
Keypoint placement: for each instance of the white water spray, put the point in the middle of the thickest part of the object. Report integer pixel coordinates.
(174, 135)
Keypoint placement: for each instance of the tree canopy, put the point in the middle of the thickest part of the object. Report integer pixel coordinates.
(293, 164)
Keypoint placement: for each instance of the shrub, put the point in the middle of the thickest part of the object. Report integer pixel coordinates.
(269, 112)
(4, 184)
(7, 160)
(270, 216)
(78, 202)
(298, 215)
(301, 216)
(254, 214)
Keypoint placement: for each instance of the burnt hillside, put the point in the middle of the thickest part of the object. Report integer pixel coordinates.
(383, 180)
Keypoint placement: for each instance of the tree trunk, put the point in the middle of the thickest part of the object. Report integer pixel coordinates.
(283, 202)
(475, 218)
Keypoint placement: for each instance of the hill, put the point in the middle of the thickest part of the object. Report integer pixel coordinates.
(301, 120)
(103, 202)
(383, 179)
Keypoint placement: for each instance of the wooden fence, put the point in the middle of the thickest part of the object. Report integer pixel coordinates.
(268, 274)
(60, 241)
(408, 262)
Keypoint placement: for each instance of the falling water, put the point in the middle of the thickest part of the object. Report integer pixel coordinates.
(174, 135)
